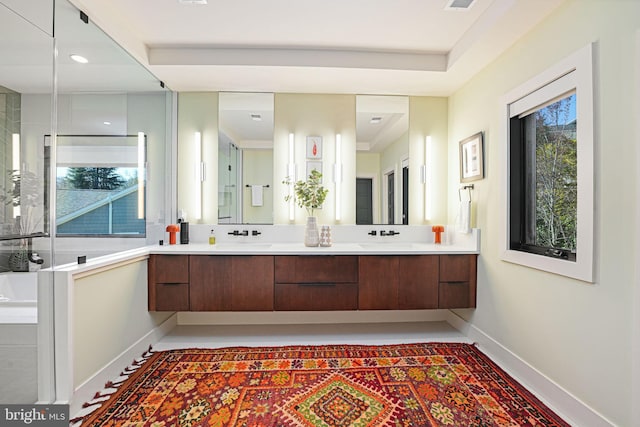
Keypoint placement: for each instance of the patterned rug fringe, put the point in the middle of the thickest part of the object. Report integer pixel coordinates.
(110, 387)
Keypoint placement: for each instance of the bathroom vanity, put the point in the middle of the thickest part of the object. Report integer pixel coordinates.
(291, 278)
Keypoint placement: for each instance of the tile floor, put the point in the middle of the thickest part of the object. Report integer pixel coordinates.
(310, 334)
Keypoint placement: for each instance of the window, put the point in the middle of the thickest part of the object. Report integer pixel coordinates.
(549, 206)
(543, 191)
(98, 201)
(100, 186)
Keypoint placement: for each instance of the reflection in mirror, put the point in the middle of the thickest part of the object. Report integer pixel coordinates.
(26, 87)
(382, 134)
(245, 158)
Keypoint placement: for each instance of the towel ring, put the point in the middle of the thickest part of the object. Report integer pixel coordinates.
(466, 187)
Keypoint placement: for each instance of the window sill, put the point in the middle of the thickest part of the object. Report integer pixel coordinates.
(578, 269)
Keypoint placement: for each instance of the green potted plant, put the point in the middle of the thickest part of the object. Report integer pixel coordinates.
(309, 194)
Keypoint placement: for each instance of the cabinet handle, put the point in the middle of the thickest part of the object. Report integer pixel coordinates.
(317, 284)
(170, 284)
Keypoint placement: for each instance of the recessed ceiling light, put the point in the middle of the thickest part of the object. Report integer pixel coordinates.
(192, 1)
(256, 117)
(79, 58)
(106, 123)
(375, 120)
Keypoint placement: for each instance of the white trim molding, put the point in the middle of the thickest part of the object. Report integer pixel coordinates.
(580, 65)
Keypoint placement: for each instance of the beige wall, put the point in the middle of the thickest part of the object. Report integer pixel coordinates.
(579, 335)
(109, 315)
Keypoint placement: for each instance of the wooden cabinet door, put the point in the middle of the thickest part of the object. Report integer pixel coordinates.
(210, 285)
(418, 282)
(170, 268)
(458, 276)
(455, 268)
(378, 282)
(168, 282)
(171, 297)
(251, 283)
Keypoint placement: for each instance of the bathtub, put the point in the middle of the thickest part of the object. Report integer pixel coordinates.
(18, 337)
(18, 298)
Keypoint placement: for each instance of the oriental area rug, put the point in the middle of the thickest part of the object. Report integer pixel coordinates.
(434, 384)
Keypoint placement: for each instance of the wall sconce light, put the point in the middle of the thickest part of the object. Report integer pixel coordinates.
(291, 174)
(15, 164)
(427, 177)
(337, 177)
(141, 174)
(198, 173)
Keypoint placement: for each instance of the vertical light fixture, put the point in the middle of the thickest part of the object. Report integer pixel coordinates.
(291, 174)
(198, 175)
(15, 164)
(142, 175)
(337, 176)
(427, 177)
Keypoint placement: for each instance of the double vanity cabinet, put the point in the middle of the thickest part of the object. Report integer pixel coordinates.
(238, 282)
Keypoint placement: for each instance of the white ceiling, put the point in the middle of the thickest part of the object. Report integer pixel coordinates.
(408, 47)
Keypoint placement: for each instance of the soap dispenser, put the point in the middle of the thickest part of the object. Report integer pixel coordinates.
(212, 238)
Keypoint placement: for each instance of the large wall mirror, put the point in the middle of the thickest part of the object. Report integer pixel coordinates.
(26, 94)
(383, 152)
(26, 87)
(382, 159)
(245, 158)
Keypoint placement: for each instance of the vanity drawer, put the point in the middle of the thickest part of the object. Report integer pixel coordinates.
(316, 269)
(457, 287)
(172, 297)
(457, 268)
(316, 296)
(454, 295)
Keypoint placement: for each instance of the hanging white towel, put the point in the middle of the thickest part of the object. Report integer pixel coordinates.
(463, 223)
(256, 195)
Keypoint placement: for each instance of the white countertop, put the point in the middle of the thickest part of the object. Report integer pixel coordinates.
(391, 248)
(461, 244)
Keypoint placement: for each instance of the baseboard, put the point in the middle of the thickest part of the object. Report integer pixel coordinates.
(551, 394)
(309, 317)
(85, 391)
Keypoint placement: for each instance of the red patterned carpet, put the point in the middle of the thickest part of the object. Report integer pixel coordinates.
(436, 384)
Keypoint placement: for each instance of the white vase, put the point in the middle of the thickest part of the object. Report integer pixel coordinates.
(311, 235)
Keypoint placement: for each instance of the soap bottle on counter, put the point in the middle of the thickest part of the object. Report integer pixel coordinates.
(212, 238)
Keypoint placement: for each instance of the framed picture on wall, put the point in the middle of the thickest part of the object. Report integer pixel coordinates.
(314, 147)
(313, 166)
(472, 158)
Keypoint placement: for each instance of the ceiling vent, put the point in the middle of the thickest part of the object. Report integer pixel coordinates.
(459, 4)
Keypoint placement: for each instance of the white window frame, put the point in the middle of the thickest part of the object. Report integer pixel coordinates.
(579, 66)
